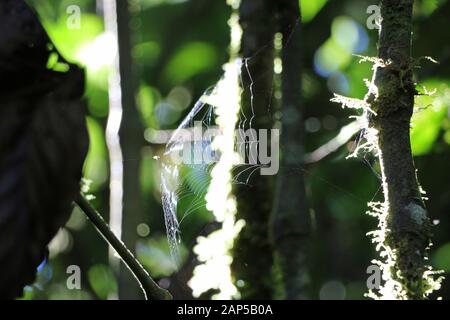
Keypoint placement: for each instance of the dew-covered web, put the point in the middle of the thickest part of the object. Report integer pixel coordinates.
(188, 183)
(181, 180)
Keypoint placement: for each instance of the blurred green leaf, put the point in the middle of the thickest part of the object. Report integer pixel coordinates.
(69, 41)
(147, 98)
(102, 281)
(192, 59)
(153, 3)
(146, 53)
(28, 294)
(427, 7)
(310, 8)
(147, 170)
(60, 292)
(95, 167)
(154, 255)
(427, 120)
(331, 56)
(441, 257)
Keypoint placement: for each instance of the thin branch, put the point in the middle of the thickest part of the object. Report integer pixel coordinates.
(149, 287)
(404, 225)
(331, 146)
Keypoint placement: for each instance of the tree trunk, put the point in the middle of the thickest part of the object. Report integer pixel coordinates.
(252, 251)
(131, 142)
(290, 225)
(404, 224)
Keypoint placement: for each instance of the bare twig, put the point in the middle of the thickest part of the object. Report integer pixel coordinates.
(149, 287)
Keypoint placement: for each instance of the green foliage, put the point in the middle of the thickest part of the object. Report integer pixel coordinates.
(102, 281)
(441, 257)
(70, 41)
(190, 60)
(427, 122)
(147, 98)
(183, 44)
(95, 166)
(147, 53)
(155, 256)
(310, 9)
(427, 7)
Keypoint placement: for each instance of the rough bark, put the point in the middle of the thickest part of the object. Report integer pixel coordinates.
(405, 221)
(252, 251)
(290, 225)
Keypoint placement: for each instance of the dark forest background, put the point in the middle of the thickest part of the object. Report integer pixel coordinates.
(177, 49)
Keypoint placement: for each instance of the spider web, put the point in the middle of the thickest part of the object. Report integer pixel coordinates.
(189, 181)
(175, 177)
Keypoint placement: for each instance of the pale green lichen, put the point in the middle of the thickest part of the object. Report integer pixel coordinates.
(417, 213)
(352, 103)
(395, 284)
(400, 281)
(368, 133)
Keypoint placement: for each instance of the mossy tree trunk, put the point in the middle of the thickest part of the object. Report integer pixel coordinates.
(404, 223)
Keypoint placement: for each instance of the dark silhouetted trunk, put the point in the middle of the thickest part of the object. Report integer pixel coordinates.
(290, 225)
(253, 258)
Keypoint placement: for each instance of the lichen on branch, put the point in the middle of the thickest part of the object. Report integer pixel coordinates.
(403, 236)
